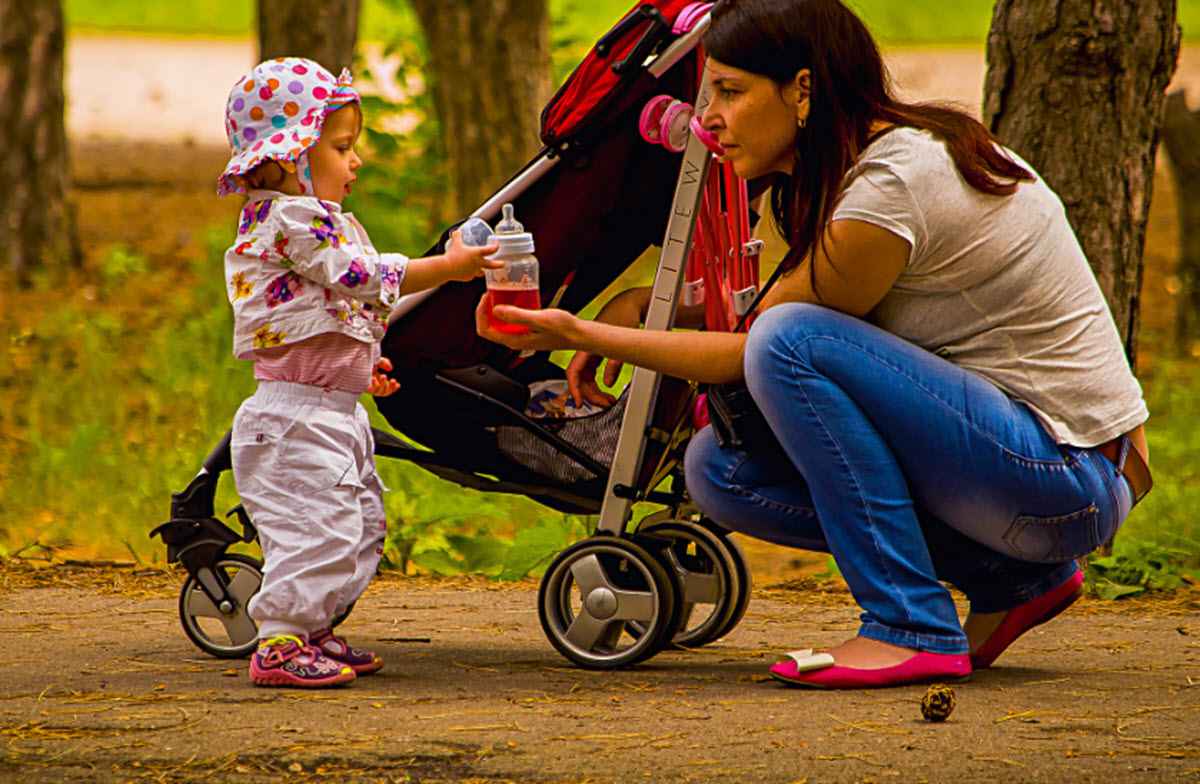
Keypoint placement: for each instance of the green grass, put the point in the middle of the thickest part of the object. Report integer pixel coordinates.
(1167, 516)
(911, 22)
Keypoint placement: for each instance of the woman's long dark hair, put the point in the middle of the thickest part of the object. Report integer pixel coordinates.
(850, 90)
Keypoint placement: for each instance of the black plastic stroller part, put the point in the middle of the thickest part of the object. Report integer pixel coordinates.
(196, 500)
(490, 384)
(643, 13)
(651, 40)
(199, 543)
(517, 417)
(194, 536)
(462, 446)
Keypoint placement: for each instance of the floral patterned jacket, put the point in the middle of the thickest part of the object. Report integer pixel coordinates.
(301, 267)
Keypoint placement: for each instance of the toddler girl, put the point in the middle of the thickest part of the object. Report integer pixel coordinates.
(311, 297)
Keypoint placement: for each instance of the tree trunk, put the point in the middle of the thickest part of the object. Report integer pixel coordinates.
(489, 62)
(321, 30)
(33, 139)
(1181, 137)
(1077, 88)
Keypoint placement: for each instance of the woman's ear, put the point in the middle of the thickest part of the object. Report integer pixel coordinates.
(802, 83)
(800, 92)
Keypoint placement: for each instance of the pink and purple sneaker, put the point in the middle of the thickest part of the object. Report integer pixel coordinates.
(336, 648)
(285, 660)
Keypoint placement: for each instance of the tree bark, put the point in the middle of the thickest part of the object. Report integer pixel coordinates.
(489, 63)
(33, 139)
(1077, 88)
(1181, 137)
(321, 30)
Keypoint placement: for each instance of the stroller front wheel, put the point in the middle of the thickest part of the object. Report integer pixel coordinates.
(595, 590)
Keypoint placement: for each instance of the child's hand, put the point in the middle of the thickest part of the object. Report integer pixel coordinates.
(467, 262)
(381, 385)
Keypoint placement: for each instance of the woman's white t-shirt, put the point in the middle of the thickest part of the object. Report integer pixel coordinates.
(997, 285)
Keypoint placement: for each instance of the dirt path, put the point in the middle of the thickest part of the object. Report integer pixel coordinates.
(101, 685)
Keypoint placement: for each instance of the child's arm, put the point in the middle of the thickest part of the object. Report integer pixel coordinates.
(459, 262)
(312, 242)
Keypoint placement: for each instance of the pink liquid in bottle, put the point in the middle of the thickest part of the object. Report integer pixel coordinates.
(528, 299)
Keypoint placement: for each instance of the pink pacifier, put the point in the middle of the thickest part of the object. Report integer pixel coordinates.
(708, 137)
(689, 16)
(664, 120)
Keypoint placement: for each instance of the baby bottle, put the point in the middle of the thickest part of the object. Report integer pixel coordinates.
(516, 283)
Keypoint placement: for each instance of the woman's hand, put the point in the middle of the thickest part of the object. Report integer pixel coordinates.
(381, 385)
(581, 379)
(549, 330)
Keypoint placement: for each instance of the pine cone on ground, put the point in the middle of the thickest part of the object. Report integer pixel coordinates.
(938, 702)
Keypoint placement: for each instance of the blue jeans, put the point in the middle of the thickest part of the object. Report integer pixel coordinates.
(910, 471)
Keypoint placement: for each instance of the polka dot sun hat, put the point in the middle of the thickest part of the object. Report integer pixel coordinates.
(275, 112)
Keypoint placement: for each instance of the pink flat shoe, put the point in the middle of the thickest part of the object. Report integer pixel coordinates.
(1024, 617)
(818, 671)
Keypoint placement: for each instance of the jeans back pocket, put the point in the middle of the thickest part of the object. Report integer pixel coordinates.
(1057, 538)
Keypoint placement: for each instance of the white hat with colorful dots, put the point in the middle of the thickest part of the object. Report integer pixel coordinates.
(275, 112)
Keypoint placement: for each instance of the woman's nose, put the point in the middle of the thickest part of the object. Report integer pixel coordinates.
(710, 120)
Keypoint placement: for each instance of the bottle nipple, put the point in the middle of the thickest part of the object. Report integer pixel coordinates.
(509, 224)
(513, 239)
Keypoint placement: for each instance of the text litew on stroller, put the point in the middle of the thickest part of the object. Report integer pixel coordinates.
(596, 197)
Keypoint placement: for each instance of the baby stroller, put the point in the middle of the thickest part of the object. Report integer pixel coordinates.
(596, 197)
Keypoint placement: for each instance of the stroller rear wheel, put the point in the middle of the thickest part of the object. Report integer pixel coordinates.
(594, 590)
(714, 579)
(741, 599)
(231, 634)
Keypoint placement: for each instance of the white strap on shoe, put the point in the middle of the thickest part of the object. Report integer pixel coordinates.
(807, 661)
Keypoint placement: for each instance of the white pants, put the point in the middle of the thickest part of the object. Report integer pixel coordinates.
(304, 463)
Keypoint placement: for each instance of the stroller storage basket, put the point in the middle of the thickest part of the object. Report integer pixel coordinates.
(597, 433)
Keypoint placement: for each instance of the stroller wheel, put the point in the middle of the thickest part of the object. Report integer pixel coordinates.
(712, 582)
(594, 590)
(737, 559)
(227, 635)
(231, 635)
